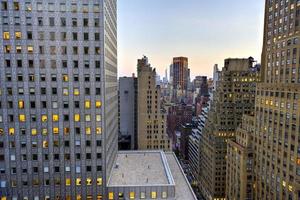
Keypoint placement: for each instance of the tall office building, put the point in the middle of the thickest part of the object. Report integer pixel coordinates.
(128, 113)
(58, 98)
(277, 111)
(151, 116)
(234, 96)
(180, 73)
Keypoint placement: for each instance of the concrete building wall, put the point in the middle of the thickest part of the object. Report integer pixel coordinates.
(58, 97)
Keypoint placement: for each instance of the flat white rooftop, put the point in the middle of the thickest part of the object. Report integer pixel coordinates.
(183, 189)
(150, 168)
(139, 168)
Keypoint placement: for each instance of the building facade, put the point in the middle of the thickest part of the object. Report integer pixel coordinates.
(240, 162)
(58, 98)
(128, 113)
(234, 96)
(277, 112)
(151, 116)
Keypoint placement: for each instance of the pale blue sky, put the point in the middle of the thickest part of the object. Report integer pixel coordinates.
(205, 31)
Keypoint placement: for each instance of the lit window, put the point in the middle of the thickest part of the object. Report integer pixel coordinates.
(153, 195)
(65, 78)
(110, 195)
(98, 130)
(66, 130)
(65, 91)
(55, 118)
(164, 195)
(7, 48)
(143, 195)
(88, 181)
(45, 144)
(76, 91)
(78, 181)
(44, 131)
(21, 104)
(55, 130)
(78, 197)
(30, 49)
(33, 131)
(18, 35)
(87, 118)
(68, 182)
(76, 117)
(44, 118)
(6, 35)
(98, 104)
(16, 6)
(1, 131)
(87, 104)
(99, 181)
(18, 49)
(98, 118)
(131, 195)
(68, 197)
(11, 131)
(22, 118)
(88, 130)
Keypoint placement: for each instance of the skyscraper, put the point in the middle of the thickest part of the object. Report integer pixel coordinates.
(58, 98)
(277, 111)
(180, 72)
(128, 113)
(234, 96)
(151, 116)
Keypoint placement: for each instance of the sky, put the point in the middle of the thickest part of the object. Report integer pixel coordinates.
(205, 31)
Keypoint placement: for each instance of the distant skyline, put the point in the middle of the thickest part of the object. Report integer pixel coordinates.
(206, 32)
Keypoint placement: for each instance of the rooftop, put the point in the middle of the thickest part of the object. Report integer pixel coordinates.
(183, 189)
(138, 168)
(150, 168)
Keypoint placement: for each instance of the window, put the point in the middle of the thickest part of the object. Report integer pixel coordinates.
(98, 118)
(89, 181)
(30, 49)
(18, 35)
(6, 35)
(98, 130)
(62, 7)
(76, 91)
(153, 195)
(78, 181)
(76, 117)
(11, 131)
(21, 104)
(22, 118)
(85, 22)
(98, 104)
(68, 182)
(131, 195)
(87, 104)
(110, 195)
(99, 181)
(7, 49)
(33, 131)
(55, 118)
(55, 130)
(4, 7)
(164, 195)
(51, 21)
(45, 144)
(16, 6)
(88, 130)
